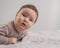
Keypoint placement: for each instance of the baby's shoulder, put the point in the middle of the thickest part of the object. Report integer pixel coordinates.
(3, 26)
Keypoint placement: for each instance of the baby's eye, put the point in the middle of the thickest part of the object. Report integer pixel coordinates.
(24, 15)
(31, 20)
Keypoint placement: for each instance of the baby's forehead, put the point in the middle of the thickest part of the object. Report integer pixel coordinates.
(27, 9)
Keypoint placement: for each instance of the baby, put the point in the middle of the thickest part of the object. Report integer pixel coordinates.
(16, 30)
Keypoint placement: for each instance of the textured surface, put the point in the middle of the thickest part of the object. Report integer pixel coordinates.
(43, 39)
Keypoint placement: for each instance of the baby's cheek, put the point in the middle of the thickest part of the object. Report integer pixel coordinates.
(29, 26)
(18, 21)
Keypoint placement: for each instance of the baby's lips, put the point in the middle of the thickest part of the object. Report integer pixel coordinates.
(24, 24)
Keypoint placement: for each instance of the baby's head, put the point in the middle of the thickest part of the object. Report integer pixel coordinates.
(25, 17)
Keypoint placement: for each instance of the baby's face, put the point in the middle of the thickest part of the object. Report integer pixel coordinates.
(25, 19)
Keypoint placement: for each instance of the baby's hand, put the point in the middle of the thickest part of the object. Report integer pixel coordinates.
(13, 40)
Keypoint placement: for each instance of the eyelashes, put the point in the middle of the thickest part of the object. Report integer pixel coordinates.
(24, 15)
(31, 20)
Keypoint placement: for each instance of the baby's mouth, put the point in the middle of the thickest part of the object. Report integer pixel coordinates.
(24, 25)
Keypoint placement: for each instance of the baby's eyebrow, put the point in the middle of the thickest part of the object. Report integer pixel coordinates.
(26, 13)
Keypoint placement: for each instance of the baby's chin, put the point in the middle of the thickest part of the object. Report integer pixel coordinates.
(20, 29)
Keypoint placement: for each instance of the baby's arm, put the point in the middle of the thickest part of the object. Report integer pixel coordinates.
(3, 36)
(4, 40)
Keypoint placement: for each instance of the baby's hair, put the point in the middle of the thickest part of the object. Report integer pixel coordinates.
(31, 7)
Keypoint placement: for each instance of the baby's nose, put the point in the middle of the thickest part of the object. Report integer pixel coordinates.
(26, 20)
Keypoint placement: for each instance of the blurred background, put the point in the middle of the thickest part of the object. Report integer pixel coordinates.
(49, 13)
